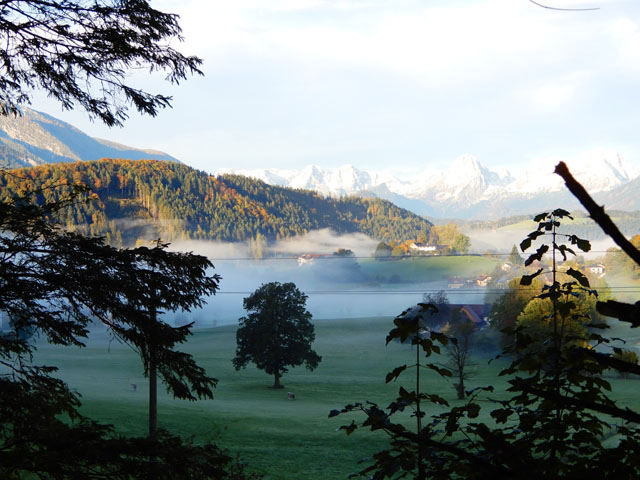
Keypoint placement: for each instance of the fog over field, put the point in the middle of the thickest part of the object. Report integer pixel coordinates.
(337, 287)
(503, 240)
(349, 287)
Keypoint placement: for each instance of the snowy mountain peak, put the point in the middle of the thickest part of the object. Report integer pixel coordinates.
(465, 185)
(598, 171)
(466, 162)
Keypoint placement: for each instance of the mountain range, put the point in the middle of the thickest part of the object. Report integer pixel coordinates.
(468, 189)
(35, 138)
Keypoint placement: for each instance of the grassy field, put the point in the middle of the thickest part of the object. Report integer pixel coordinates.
(281, 438)
(427, 269)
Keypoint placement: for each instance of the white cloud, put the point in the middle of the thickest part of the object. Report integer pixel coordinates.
(399, 83)
(428, 41)
(625, 36)
(554, 96)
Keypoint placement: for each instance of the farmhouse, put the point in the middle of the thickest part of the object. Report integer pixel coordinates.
(423, 248)
(477, 313)
(308, 258)
(596, 268)
(483, 280)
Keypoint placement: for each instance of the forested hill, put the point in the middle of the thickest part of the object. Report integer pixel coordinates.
(149, 199)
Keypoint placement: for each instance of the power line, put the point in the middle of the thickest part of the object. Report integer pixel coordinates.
(451, 291)
(329, 256)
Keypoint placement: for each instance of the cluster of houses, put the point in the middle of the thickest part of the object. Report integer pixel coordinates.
(478, 281)
(415, 247)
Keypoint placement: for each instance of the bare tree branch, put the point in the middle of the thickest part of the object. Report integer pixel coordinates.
(597, 213)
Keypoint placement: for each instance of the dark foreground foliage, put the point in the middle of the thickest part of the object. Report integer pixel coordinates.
(54, 284)
(81, 53)
(559, 410)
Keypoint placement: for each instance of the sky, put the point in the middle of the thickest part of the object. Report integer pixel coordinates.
(393, 86)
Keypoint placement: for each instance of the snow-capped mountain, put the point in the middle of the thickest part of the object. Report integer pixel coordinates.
(466, 188)
(464, 182)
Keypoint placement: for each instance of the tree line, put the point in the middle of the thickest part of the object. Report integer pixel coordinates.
(173, 201)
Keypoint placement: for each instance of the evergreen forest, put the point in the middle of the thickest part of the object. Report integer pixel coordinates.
(147, 199)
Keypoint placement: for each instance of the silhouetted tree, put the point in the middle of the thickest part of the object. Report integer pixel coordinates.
(458, 351)
(559, 408)
(277, 333)
(57, 283)
(81, 54)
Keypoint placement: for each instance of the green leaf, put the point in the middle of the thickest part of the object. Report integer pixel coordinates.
(528, 279)
(540, 217)
(525, 244)
(473, 410)
(443, 372)
(440, 337)
(349, 428)
(579, 276)
(402, 392)
(561, 213)
(437, 399)
(428, 307)
(395, 373)
(537, 256)
(584, 245)
(561, 249)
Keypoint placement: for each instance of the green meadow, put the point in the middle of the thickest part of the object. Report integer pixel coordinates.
(427, 269)
(281, 438)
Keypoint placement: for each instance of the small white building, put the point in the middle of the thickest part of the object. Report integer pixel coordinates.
(421, 247)
(596, 268)
(483, 280)
(307, 258)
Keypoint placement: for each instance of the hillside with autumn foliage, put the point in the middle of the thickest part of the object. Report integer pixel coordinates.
(147, 199)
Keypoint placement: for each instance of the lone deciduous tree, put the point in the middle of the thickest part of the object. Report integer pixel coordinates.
(459, 352)
(55, 284)
(277, 333)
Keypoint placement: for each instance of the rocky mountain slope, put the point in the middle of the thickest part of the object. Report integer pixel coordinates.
(468, 189)
(36, 138)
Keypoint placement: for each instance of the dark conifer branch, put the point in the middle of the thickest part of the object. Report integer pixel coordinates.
(81, 52)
